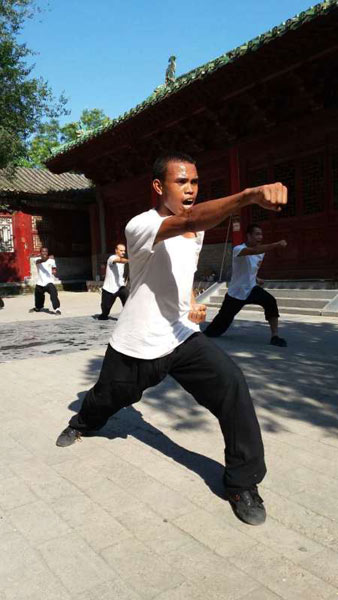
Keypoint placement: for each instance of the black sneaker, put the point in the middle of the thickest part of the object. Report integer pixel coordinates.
(57, 312)
(31, 310)
(248, 506)
(102, 318)
(68, 437)
(278, 341)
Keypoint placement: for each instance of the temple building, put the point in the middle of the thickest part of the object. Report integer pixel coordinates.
(44, 209)
(266, 111)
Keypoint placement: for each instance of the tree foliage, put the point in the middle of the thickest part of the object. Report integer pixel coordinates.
(24, 100)
(51, 135)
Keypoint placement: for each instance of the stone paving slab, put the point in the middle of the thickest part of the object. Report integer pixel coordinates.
(137, 511)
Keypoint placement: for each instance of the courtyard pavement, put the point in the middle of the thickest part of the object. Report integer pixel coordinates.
(137, 511)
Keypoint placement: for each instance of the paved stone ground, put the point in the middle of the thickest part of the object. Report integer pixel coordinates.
(137, 512)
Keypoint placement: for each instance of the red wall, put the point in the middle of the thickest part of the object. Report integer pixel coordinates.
(14, 266)
(305, 159)
(65, 232)
(309, 223)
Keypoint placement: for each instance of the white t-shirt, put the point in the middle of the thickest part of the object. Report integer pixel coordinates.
(44, 270)
(154, 320)
(244, 273)
(114, 275)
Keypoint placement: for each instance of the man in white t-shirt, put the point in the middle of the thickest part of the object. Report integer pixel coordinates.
(114, 284)
(246, 288)
(157, 333)
(46, 269)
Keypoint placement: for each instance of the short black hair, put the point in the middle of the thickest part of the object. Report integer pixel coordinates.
(250, 228)
(160, 164)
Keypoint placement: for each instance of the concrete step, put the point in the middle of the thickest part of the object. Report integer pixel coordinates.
(284, 302)
(306, 301)
(302, 284)
(283, 310)
(293, 293)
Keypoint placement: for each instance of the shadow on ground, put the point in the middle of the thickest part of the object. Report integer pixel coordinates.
(297, 383)
(130, 421)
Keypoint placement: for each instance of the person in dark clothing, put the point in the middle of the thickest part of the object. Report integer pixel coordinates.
(158, 330)
(46, 268)
(114, 283)
(246, 288)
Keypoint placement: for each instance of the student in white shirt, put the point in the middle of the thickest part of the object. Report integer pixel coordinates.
(114, 285)
(46, 269)
(158, 330)
(246, 288)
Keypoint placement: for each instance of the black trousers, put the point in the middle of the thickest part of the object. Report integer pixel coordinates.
(231, 306)
(40, 295)
(209, 375)
(108, 299)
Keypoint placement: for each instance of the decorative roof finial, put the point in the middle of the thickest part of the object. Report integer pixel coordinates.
(170, 74)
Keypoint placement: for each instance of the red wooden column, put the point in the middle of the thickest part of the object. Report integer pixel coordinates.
(22, 232)
(237, 233)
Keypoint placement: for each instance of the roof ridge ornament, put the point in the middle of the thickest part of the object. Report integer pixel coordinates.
(170, 74)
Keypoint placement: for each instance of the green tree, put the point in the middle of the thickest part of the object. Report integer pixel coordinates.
(89, 120)
(51, 135)
(24, 100)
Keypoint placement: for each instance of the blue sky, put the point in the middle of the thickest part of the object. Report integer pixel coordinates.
(111, 54)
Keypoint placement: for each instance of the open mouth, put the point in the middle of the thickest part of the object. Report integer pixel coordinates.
(188, 203)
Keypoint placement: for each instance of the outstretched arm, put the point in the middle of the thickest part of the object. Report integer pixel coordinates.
(262, 248)
(207, 215)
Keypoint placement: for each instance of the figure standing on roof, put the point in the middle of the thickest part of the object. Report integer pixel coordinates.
(170, 74)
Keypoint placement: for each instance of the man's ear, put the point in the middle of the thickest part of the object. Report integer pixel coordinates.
(157, 185)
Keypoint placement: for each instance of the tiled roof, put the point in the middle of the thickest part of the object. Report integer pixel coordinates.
(24, 180)
(207, 69)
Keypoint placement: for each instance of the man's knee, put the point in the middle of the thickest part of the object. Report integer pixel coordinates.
(51, 289)
(230, 383)
(116, 395)
(271, 308)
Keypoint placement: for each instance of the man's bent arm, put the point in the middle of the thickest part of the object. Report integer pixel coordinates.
(120, 260)
(207, 215)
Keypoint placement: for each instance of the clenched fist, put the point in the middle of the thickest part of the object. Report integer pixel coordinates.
(271, 196)
(198, 313)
